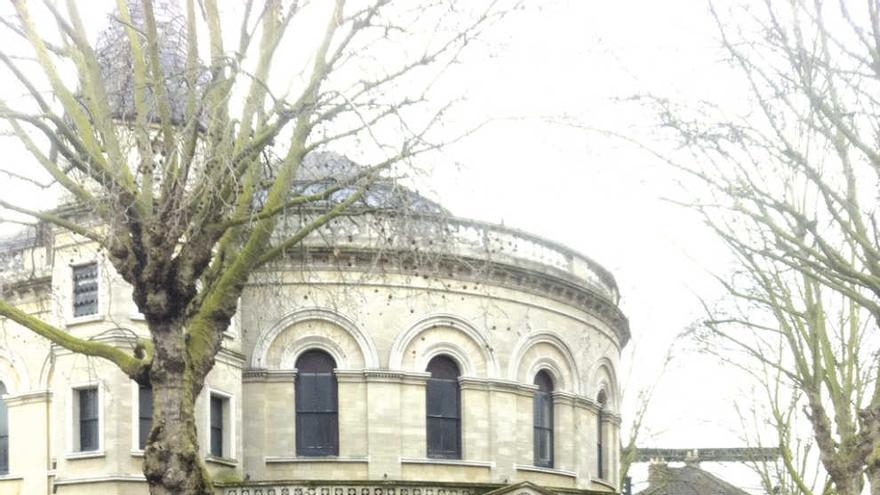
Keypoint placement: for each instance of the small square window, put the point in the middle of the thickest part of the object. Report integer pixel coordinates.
(85, 290)
(86, 419)
(220, 431)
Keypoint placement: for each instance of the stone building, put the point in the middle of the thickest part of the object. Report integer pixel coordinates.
(416, 354)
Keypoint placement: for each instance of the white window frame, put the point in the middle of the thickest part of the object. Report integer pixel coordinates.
(73, 433)
(228, 426)
(68, 300)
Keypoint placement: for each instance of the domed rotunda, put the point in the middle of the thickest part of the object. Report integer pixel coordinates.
(399, 351)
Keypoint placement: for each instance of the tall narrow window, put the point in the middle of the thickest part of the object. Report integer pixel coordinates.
(88, 420)
(4, 433)
(543, 419)
(145, 414)
(317, 412)
(85, 290)
(444, 409)
(217, 433)
(600, 447)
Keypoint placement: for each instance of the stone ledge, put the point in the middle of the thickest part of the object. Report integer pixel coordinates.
(128, 478)
(39, 396)
(91, 454)
(223, 461)
(538, 469)
(286, 459)
(447, 462)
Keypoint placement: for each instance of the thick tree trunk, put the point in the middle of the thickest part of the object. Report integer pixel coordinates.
(172, 462)
(874, 480)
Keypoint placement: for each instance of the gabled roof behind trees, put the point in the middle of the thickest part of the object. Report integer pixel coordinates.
(687, 480)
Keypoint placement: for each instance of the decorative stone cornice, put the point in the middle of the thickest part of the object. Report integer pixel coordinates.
(388, 487)
(267, 376)
(552, 471)
(230, 357)
(565, 398)
(612, 418)
(394, 376)
(255, 375)
(587, 403)
(545, 283)
(488, 384)
(36, 397)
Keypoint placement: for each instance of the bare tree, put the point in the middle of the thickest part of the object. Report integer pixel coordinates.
(644, 400)
(789, 183)
(181, 170)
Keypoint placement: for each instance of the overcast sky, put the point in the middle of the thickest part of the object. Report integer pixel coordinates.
(599, 195)
(605, 197)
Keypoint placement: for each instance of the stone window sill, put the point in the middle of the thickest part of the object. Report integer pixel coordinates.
(223, 461)
(447, 462)
(10, 477)
(90, 454)
(538, 469)
(82, 320)
(329, 458)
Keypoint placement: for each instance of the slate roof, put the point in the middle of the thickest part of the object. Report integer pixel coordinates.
(687, 480)
(115, 60)
(322, 169)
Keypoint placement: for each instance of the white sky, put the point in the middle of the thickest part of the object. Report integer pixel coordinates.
(599, 195)
(602, 196)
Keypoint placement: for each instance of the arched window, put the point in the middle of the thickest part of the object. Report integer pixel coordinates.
(602, 399)
(317, 412)
(543, 420)
(4, 433)
(444, 409)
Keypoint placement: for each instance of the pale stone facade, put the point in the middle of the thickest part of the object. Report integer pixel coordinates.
(381, 294)
(502, 304)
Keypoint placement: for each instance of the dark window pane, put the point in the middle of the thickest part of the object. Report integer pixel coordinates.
(4, 455)
(217, 442)
(443, 438)
(443, 367)
(315, 362)
(145, 414)
(544, 382)
(4, 433)
(88, 419)
(85, 290)
(316, 434)
(217, 426)
(216, 412)
(443, 409)
(543, 420)
(88, 434)
(600, 461)
(543, 410)
(317, 428)
(316, 392)
(443, 398)
(543, 447)
(88, 403)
